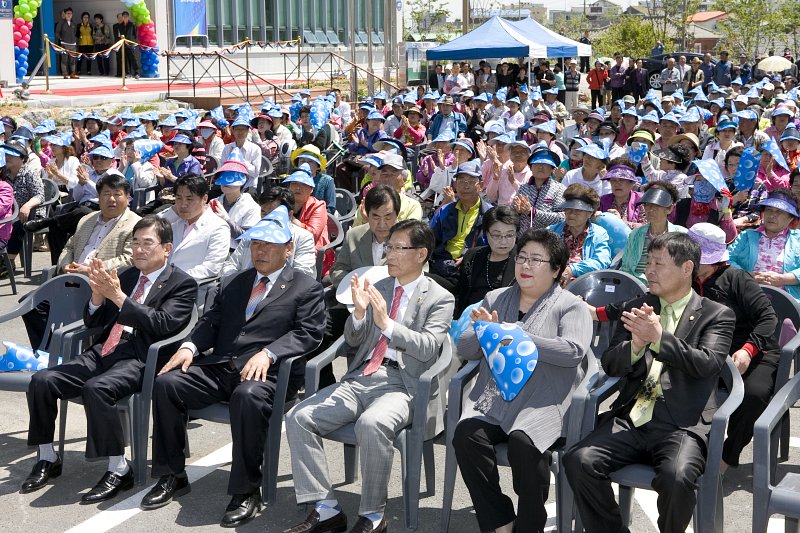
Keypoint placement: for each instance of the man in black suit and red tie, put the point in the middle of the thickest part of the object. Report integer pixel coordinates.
(136, 308)
(668, 350)
(258, 317)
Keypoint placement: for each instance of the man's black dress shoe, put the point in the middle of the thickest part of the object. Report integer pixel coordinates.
(109, 486)
(242, 508)
(167, 488)
(36, 224)
(42, 471)
(364, 525)
(312, 524)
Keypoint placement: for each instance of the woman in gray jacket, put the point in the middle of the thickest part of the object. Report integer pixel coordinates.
(560, 327)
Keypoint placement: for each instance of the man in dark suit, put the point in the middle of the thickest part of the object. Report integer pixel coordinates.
(668, 351)
(258, 317)
(397, 329)
(436, 79)
(142, 305)
(637, 82)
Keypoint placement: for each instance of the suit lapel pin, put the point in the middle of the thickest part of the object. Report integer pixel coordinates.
(691, 317)
(283, 286)
(159, 286)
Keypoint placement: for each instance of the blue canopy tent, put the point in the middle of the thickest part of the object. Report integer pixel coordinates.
(498, 38)
(494, 38)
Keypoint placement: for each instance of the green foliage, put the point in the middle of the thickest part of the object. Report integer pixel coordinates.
(755, 25)
(630, 36)
(427, 18)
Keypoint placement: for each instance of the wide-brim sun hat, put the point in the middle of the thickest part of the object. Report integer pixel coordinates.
(711, 239)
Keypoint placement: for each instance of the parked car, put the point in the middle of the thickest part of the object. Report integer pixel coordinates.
(655, 64)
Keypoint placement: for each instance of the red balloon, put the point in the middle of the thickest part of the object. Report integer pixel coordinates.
(17, 36)
(24, 30)
(21, 44)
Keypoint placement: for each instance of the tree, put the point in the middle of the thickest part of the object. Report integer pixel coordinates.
(572, 28)
(631, 36)
(666, 15)
(428, 18)
(750, 26)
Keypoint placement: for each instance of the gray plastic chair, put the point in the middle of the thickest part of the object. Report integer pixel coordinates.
(67, 295)
(51, 197)
(601, 288)
(564, 497)
(139, 196)
(220, 413)
(411, 442)
(787, 308)
(134, 409)
(10, 219)
(346, 206)
(708, 512)
(770, 497)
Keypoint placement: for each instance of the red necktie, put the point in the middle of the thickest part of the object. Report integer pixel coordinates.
(256, 295)
(380, 349)
(116, 332)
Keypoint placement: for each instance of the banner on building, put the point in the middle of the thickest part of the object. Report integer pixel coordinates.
(190, 18)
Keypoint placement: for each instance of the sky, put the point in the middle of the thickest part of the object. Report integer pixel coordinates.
(455, 6)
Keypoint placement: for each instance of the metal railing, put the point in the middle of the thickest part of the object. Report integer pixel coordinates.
(327, 63)
(231, 77)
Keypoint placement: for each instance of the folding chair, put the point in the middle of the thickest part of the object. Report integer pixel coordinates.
(346, 206)
(10, 219)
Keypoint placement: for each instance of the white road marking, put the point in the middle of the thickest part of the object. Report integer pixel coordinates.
(128, 508)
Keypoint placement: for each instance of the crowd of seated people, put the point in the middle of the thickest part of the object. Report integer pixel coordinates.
(478, 207)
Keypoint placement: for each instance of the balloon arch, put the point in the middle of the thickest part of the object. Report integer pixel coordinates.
(26, 10)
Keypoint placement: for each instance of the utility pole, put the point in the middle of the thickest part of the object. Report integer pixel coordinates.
(465, 17)
(370, 79)
(351, 16)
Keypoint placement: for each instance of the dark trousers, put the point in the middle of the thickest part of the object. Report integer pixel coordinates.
(759, 384)
(131, 65)
(102, 382)
(250, 405)
(62, 227)
(677, 456)
(618, 93)
(585, 64)
(14, 246)
(35, 322)
(597, 98)
(84, 63)
(103, 63)
(474, 442)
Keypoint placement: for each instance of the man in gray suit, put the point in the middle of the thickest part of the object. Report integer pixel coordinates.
(397, 328)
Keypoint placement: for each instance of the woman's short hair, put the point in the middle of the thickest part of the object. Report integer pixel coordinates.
(381, 195)
(736, 151)
(665, 185)
(161, 226)
(583, 192)
(197, 185)
(554, 244)
(504, 213)
(680, 247)
(420, 235)
(793, 176)
(626, 161)
(279, 194)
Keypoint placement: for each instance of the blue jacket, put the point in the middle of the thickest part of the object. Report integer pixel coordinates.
(744, 254)
(445, 226)
(459, 122)
(360, 149)
(596, 249)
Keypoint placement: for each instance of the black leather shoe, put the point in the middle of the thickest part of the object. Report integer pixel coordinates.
(37, 224)
(109, 486)
(312, 524)
(42, 471)
(242, 508)
(364, 525)
(168, 487)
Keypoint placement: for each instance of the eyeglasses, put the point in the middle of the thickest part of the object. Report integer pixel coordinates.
(499, 237)
(389, 248)
(144, 245)
(522, 259)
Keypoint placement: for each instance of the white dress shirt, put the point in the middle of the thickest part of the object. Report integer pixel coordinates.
(408, 290)
(378, 251)
(100, 232)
